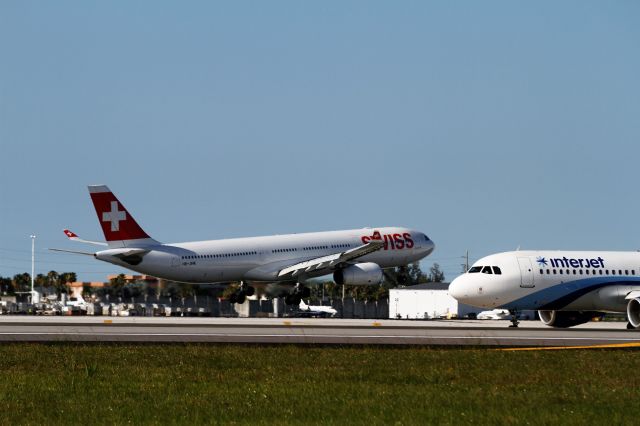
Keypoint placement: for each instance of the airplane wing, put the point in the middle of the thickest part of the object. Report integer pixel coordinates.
(326, 264)
(74, 237)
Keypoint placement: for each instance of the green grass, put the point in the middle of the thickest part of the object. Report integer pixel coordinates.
(115, 384)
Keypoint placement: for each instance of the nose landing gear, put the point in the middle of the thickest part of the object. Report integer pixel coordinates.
(514, 318)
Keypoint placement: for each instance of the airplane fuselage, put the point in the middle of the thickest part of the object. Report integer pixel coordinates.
(262, 258)
(551, 280)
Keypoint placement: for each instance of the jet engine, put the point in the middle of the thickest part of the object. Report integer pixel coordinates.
(564, 319)
(359, 274)
(633, 312)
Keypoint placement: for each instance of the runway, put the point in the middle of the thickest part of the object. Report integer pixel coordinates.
(310, 331)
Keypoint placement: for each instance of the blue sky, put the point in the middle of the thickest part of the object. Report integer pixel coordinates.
(488, 125)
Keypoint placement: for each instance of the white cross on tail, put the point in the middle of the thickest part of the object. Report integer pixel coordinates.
(114, 216)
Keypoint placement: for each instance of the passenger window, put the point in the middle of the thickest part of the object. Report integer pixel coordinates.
(613, 272)
(554, 272)
(487, 270)
(626, 272)
(560, 270)
(541, 272)
(497, 270)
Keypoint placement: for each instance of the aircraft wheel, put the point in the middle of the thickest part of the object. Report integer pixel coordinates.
(305, 292)
(241, 298)
(250, 291)
(233, 298)
(630, 327)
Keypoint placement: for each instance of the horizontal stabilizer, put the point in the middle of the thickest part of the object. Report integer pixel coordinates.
(72, 251)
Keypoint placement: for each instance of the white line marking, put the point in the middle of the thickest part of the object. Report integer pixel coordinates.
(312, 336)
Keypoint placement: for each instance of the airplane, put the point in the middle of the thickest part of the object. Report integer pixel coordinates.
(354, 257)
(567, 288)
(315, 311)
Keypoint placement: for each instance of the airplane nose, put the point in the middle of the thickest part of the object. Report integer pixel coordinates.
(430, 246)
(457, 289)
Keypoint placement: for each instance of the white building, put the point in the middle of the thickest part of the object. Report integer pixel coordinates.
(426, 301)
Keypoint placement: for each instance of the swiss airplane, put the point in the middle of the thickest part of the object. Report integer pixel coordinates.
(354, 257)
(567, 288)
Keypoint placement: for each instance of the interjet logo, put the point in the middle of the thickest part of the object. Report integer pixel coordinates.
(541, 261)
(564, 262)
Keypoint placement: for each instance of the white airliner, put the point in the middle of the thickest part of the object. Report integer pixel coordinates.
(566, 287)
(354, 257)
(317, 310)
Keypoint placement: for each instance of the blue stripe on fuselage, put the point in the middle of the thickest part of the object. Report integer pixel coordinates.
(560, 295)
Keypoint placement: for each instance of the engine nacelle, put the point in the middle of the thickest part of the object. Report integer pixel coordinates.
(633, 312)
(564, 319)
(359, 274)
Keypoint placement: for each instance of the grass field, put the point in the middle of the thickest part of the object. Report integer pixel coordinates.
(74, 383)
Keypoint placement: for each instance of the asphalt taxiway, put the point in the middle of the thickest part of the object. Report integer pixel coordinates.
(311, 331)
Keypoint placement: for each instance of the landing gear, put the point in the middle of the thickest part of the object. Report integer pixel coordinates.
(514, 318)
(241, 294)
(402, 276)
(630, 326)
(298, 293)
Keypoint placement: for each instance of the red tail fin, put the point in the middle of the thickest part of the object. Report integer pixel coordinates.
(118, 225)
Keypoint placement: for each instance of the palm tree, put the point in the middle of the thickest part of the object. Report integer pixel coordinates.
(52, 279)
(63, 280)
(22, 282)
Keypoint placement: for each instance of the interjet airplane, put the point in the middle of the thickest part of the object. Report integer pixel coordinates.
(354, 257)
(567, 288)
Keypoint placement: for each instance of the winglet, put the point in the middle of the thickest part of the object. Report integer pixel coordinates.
(71, 235)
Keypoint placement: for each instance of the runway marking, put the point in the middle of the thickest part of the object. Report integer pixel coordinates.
(555, 348)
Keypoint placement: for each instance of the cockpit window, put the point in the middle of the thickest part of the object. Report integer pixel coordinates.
(497, 270)
(475, 269)
(487, 270)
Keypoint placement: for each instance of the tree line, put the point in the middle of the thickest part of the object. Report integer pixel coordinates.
(22, 282)
(119, 286)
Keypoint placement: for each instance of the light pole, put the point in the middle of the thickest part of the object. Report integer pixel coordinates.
(33, 264)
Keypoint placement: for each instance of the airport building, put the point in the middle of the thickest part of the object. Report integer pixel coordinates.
(427, 301)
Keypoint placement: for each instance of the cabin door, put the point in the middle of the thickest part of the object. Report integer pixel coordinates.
(526, 272)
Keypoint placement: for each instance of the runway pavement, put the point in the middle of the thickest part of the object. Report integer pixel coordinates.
(310, 331)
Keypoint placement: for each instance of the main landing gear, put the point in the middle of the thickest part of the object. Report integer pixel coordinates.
(241, 294)
(514, 318)
(298, 293)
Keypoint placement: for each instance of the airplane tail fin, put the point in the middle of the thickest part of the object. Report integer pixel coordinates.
(119, 227)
